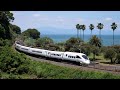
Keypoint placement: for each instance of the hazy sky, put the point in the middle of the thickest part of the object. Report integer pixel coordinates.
(66, 19)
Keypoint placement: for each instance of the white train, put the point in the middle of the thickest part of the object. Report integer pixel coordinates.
(71, 56)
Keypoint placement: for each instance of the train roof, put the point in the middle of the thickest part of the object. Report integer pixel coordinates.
(74, 53)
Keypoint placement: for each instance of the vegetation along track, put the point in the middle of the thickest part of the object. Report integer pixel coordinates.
(93, 66)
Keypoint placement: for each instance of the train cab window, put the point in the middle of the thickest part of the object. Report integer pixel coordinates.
(66, 54)
(84, 56)
(78, 57)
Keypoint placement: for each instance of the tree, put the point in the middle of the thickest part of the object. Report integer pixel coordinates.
(15, 29)
(95, 41)
(95, 51)
(100, 26)
(113, 27)
(2, 32)
(91, 27)
(110, 54)
(72, 43)
(77, 27)
(5, 18)
(117, 60)
(32, 33)
(83, 28)
(43, 42)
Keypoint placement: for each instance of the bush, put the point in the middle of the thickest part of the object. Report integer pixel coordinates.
(72, 43)
(95, 51)
(29, 42)
(110, 54)
(13, 62)
(86, 49)
(4, 42)
(43, 42)
(117, 60)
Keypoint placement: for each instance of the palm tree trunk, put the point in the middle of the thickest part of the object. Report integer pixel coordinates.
(83, 35)
(113, 37)
(80, 34)
(100, 34)
(91, 33)
(77, 33)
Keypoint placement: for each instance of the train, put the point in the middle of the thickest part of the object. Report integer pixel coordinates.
(81, 58)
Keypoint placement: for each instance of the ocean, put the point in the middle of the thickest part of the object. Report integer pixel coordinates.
(107, 40)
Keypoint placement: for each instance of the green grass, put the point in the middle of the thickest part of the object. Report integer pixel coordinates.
(45, 70)
(49, 71)
(99, 58)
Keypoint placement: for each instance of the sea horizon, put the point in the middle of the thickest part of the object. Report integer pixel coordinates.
(107, 40)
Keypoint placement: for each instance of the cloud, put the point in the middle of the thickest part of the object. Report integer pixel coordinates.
(108, 19)
(79, 20)
(36, 15)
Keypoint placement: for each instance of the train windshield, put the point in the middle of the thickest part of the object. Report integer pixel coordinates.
(85, 57)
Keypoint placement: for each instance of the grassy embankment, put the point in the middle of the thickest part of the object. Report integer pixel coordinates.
(45, 70)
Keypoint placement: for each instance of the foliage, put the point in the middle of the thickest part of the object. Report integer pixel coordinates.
(95, 51)
(13, 62)
(117, 48)
(5, 42)
(32, 33)
(86, 49)
(16, 29)
(2, 32)
(95, 41)
(72, 43)
(49, 71)
(29, 42)
(113, 26)
(117, 59)
(44, 42)
(5, 18)
(110, 54)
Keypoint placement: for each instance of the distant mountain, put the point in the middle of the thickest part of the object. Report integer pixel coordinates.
(52, 30)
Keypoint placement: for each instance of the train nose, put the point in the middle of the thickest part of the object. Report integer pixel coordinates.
(88, 62)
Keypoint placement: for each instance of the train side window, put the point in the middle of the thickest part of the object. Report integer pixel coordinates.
(78, 57)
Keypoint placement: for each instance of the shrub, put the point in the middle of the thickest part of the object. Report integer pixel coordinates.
(13, 62)
(117, 60)
(95, 51)
(85, 48)
(110, 54)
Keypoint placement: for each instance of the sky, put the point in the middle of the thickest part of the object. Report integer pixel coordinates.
(67, 20)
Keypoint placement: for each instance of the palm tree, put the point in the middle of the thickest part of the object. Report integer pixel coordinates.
(83, 28)
(77, 27)
(91, 27)
(113, 27)
(100, 26)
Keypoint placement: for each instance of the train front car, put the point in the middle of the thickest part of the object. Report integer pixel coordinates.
(84, 59)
